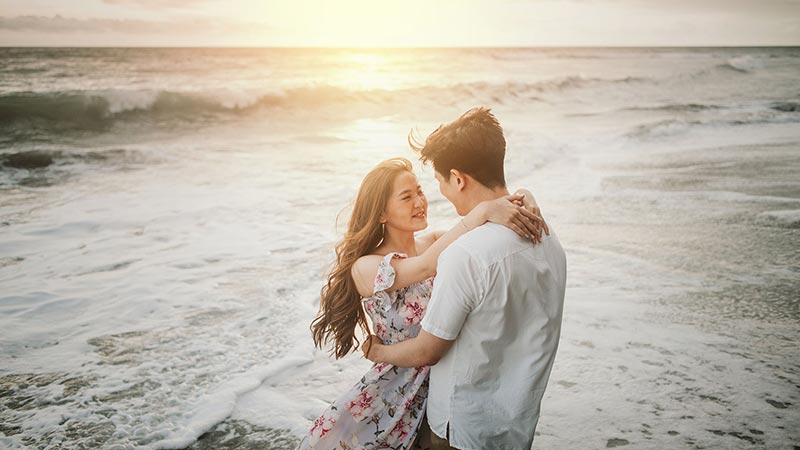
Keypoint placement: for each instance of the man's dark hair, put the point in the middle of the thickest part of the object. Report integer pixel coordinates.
(473, 144)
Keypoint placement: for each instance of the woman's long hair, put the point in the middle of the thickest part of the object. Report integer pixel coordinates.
(340, 310)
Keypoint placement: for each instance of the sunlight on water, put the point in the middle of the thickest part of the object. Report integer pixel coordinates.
(367, 71)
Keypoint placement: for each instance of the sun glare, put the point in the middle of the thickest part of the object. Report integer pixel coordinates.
(369, 71)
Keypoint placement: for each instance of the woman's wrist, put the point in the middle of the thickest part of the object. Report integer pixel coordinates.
(477, 217)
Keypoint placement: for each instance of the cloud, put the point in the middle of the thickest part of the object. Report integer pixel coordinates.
(735, 7)
(59, 25)
(348, 23)
(157, 3)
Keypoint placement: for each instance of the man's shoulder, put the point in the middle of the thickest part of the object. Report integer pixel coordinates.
(487, 234)
(487, 239)
(490, 243)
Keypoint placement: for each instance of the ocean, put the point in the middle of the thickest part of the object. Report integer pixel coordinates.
(167, 217)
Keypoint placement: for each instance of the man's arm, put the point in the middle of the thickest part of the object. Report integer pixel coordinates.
(456, 290)
(423, 350)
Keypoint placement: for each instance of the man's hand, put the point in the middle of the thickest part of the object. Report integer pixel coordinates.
(372, 347)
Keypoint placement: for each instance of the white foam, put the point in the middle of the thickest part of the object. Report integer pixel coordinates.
(745, 63)
(215, 407)
(294, 400)
(788, 217)
(730, 196)
(239, 98)
(120, 100)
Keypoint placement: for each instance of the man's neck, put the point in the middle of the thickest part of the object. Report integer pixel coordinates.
(482, 193)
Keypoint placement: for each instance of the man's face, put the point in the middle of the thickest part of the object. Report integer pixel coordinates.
(450, 191)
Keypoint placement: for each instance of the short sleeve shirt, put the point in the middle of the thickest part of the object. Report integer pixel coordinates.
(500, 299)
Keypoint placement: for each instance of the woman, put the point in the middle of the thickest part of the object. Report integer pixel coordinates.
(386, 273)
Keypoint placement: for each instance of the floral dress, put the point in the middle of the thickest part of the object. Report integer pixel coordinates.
(384, 410)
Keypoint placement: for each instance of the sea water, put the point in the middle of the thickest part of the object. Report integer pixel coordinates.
(167, 217)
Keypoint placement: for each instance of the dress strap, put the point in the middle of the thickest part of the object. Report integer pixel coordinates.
(386, 273)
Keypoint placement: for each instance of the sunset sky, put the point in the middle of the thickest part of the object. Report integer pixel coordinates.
(410, 23)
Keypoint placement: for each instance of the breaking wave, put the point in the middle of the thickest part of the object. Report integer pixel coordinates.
(742, 64)
(101, 108)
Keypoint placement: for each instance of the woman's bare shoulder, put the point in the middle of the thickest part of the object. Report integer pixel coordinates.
(363, 272)
(367, 261)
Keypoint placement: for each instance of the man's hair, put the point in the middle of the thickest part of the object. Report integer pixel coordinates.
(473, 144)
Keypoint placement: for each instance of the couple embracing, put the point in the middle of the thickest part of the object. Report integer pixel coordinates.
(465, 323)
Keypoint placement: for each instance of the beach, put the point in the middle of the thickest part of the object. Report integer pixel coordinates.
(167, 217)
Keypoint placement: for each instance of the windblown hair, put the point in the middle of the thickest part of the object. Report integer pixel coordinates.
(473, 144)
(340, 309)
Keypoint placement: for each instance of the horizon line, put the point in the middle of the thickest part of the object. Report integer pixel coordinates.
(345, 47)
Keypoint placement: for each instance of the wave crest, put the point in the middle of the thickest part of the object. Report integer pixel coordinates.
(783, 218)
(742, 64)
(101, 108)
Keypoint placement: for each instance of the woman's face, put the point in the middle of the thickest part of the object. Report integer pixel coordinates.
(407, 208)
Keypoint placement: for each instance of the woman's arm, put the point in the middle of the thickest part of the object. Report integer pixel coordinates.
(529, 202)
(415, 269)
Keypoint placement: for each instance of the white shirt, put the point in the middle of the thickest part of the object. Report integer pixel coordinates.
(500, 298)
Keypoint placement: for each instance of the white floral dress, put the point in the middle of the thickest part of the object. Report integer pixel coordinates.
(384, 410)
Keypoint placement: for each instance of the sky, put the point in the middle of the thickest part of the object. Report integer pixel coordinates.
(408, 23)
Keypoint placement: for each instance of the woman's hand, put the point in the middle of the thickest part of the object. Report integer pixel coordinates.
(508, 211)
(529, 202)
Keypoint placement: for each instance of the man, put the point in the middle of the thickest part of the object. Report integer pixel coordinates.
(493, 322)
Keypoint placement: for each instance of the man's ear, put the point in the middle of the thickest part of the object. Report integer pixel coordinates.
(459, 177)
